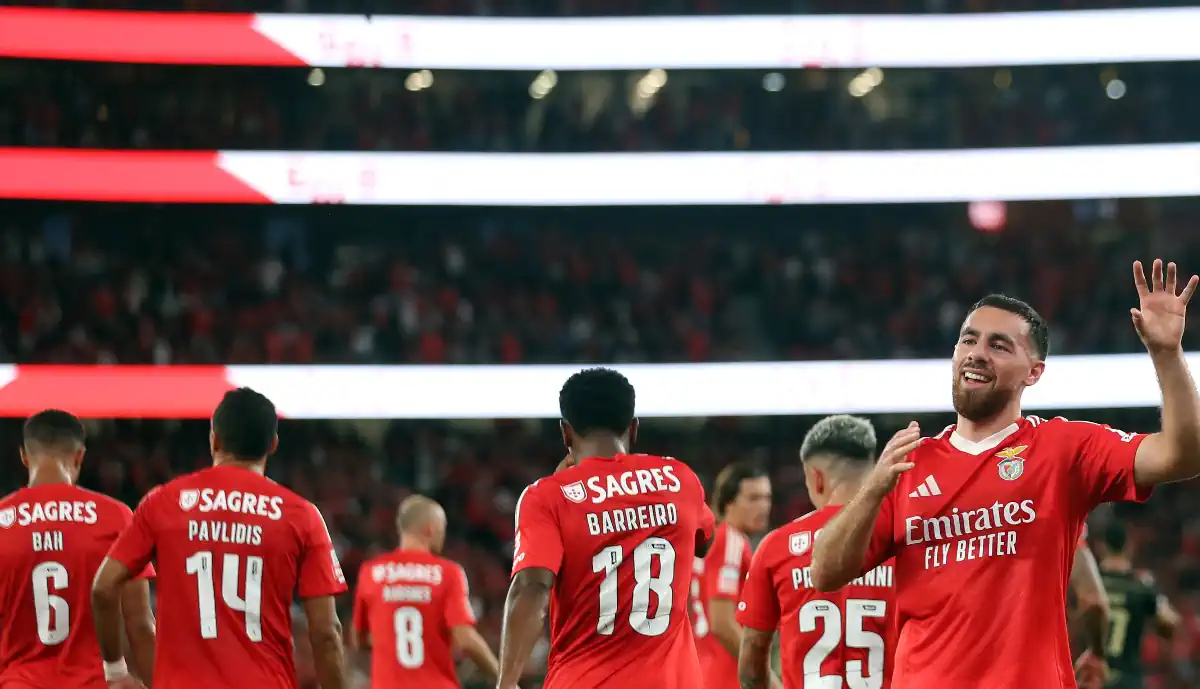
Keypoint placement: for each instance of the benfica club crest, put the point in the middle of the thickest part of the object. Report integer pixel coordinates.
(1012, 465)
(188, 499)
(799, 543)
(575, 492)
(8, 517)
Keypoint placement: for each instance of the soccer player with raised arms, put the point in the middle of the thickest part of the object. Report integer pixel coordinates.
(984, 518)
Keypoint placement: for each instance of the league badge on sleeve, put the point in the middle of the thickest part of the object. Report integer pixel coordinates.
(188, 499)
(8, 517)
(799, 543)
(575, 492)
(1012, 465)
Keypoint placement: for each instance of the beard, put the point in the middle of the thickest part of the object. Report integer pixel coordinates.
(980, 404)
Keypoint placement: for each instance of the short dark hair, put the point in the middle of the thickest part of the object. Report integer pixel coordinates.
(597, 399)
(246, 423)
(53, 430)
(1039, 332)
(841, 437)
(1115, 537)
(729, 483)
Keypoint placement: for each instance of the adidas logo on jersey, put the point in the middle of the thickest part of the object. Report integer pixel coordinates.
(927, 488)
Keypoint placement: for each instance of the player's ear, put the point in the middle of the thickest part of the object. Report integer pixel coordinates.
(274, 445)
(24, 457)
(567, 432)
(77, 460)
(1035, 373)
(214, 445)
(633, 429)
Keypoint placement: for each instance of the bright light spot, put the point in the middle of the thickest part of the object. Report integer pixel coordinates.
(426, 78)
(859, 87)
(413, 82)
(656, 78)
(874, 76)
(987, 216)
(1003, 79)
(543, 84)
(316, 77)
(1115, 89)
(773, 82)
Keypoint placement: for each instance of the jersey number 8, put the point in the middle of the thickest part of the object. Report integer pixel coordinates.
(831, 638)
(609, 559)
(409, 627)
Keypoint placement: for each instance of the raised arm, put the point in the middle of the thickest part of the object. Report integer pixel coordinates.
(1172, 454)
(840, 554)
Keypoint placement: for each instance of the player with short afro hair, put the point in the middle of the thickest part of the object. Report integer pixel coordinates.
(245, 426)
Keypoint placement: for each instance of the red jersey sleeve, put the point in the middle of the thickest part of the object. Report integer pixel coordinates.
(882, 545)
(320, 571)
(134, 548)
(707, 522)
(126, 517)
(538, 541)
(759, 607)
(1104, 463)
(730, 552)
(362, 603)
(458, 600)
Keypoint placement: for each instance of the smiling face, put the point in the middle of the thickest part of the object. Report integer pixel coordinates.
(994, 361)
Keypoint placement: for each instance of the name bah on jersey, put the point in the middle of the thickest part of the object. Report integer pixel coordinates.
(234, 502)
(636, 482)
(407, 582)
(30, 514)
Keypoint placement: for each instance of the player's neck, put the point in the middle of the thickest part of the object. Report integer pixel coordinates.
(224, 460)
(840, 495)
(986, 428)
(49, 472)
(601, 446)
(413, 544)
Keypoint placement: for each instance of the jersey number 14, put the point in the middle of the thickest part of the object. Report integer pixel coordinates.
(201, 565)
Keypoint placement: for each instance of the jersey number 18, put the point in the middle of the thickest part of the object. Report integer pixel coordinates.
(608, 560)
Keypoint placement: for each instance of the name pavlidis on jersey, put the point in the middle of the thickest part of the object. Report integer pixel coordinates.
(974, 534)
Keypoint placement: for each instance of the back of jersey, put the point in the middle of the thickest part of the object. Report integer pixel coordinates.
(841, 638)
(409, 602)
(233, 550)
(620, 533)
(52, 540)
(1133, 607)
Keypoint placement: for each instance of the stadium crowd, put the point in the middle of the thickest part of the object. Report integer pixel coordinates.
(361, 285)
(146, 106)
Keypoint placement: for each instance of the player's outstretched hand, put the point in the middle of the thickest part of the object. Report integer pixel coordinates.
(126, 682)
(1159, 317)
(893, 461)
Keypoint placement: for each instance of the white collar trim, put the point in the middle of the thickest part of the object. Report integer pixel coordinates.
(978, 447)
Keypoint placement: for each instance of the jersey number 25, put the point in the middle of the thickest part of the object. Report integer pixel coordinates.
(831, 637)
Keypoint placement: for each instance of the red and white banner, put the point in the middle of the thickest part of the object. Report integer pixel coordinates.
(602, 179)
(487, 392)
(733, 42)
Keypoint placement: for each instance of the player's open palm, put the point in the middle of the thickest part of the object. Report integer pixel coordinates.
(1159, 318)
(893, 461)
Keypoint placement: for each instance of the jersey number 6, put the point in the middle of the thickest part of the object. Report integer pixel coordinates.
(608, 560)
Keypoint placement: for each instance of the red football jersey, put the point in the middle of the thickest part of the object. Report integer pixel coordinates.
(409, 601)
(984, 534)
(719, 575)
(843, 638)
(52, 540)
(233, 549)
(620, 533)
